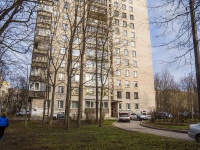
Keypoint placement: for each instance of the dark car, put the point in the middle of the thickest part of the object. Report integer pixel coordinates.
(141, 117)
(60, 115)
(162, 115)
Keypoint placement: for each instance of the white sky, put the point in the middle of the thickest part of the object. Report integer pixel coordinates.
(161, 54)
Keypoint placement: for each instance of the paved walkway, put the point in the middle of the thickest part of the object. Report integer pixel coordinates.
(135, 126)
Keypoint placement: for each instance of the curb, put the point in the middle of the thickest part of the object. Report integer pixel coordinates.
(174, 130)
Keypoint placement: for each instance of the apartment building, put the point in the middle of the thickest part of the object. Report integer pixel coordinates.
(118, 30)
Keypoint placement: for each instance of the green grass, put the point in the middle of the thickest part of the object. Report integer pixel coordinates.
(88, 137)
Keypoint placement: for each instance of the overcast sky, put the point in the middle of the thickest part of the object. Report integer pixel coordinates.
(161, 54)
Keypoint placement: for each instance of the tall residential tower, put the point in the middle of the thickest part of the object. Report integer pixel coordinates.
(112, 36)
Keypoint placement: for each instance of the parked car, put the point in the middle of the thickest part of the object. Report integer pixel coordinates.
(194, 131)
(124, 117)
(133, 116)
(59, 115)
(162, 115)
(22, 113)
(141, 117)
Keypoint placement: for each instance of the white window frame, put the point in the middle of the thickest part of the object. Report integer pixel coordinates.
(127, 73)
(135, 84)
(118, 61)
(60, 104)
(74, 105)
(130, 9)
(120, 106)
(128, 106)
(136, 106)
(127, 83)
(63, 63)
(118, 83)
(61, 89)
(62, 50)
(134, 53)
(61, 76)
(133, 43)
(118, 72)
(91, 104)
(134, 63)
(125, 51)
(125, 33)
(135, 75)
(132, 34)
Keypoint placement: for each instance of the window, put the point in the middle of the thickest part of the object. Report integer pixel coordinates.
(132, 26)
(133, 43)
(119, 94)
(134, 53)
(135, 95)
(130, 9)
(117, 41)
(61, 89)
(131, 17)
(62, 50)
(75, 91)
(76, 41)
(54, 25)
(124, 24)
(118, 61)
(75, 64)
(89, 104)
(125, 32)
(65, 16)
(117, 30)
(64, 26)
(136, 106)
(63, 63)
(116, 13)
(66, 5)
(116, 21)
(75, 78)
(116, 4)
(117, 50)
(63, 38)
(130, 1)
(123, 7)
(128, 95)
(55, 13)
(90, 91)
(125, 42)
(118, 72)
(135, 74)
(128, 106)
(126, 62)
(135, 83)
(125, 52)
(74, 104)
(120, 106)
(35, 86)
(126, 73)
(134, 63)
(127, 83)
(105, 105)
(60, 104)
(133, 34)
(118, 82)
(61, 76)
(76, 52)
(123, 15)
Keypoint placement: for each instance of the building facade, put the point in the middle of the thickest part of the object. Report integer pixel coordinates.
(114, 39)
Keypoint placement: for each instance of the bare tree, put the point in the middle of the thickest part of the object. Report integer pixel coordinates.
(180, 20)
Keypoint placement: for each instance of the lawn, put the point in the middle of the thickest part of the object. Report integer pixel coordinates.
(88, 137)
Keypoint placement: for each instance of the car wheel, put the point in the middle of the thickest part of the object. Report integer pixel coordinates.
(54, 118)
(198, 137)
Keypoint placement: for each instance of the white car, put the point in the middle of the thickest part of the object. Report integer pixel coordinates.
(124, 117)
(133, 116)
(194, 131)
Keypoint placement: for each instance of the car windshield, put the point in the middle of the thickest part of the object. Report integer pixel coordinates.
(123, 114)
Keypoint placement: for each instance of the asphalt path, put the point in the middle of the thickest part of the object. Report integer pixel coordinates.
(135, 126)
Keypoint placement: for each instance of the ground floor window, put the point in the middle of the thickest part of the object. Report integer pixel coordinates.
(89, 104)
